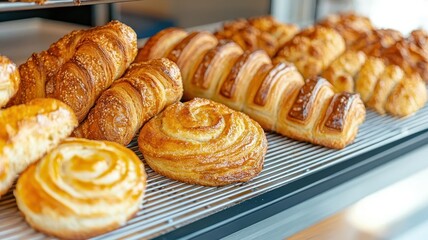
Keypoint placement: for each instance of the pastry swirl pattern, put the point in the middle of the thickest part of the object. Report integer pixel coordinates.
(203, 142)
(82, 188)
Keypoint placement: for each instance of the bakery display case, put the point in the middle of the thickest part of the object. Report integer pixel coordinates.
(300, 184)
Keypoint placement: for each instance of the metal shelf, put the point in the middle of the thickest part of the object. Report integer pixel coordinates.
(6, 6)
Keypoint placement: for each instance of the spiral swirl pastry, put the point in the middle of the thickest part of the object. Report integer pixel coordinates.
(81, 189)
(203, 142)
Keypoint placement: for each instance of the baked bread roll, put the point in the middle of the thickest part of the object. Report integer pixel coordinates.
(81, 189)
(374, 43)
(79, 66)
(349, 25)
(144, 91)
(27, 132)
(312, 50)
(263, 32)
(203, 142)
(342, 71)
(189, 53)
(367, 77)
(9, 80)
(161, 44)
(315, 114)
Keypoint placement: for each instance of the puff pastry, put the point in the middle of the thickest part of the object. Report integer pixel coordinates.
(27, 132)
(313, 50)
(349, 24)
(342, 71)
(9, 80)
(161, 44)
(203, 142)
(81, 189)
(78, 67)
(263, 32)
(367, 77)
(374, 43)
(144, 91)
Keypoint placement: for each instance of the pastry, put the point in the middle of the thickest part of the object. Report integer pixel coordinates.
(350, 25)
(342, 71)
(367, 77)
(264, 33)
(203, 142)
(78, 67)
(314, 113)
(312, 50)
(189, 53)
(161, 44)
(81, 189)
(9, 80)
(374, 43)
(27, 132)
(144, 91)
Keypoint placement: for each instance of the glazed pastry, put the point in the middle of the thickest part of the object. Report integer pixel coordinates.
(312, 50)
(350, 25)
(161, 44)
(27, 132)
(407, 97)
(368, 76)
(79, 66)
(375, 42)
(263, 98)
(81, 189)
(342, 71)
(9, 80)
(213, 69)
(315, 114)
(233, 90)
(144, 91)
(258, 33)
(189, 53)
(203, 142)
(387, 81)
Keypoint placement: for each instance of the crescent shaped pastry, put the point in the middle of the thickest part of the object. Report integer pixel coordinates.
(81, 189)
(203, 142)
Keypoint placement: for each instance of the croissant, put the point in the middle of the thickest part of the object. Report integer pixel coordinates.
(81, 189)
(263, 32)
(144, 91)
(373, 43)
(249, 82)
(79, 66)
(349, 25)
(312, 50)
(9, 80)
(203, 142)
(29, 131)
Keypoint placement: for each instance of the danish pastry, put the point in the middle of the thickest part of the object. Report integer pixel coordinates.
(81, 189)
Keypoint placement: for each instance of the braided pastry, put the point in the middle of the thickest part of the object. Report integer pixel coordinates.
(9, 80)
(250, 82)
(27, 132)
(144, 91)
(203, 142)
(81, 189)
(79, 66)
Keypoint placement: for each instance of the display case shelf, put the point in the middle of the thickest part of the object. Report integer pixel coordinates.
(6, 6)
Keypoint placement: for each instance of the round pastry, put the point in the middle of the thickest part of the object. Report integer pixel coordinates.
(203, 142)
(81, 189)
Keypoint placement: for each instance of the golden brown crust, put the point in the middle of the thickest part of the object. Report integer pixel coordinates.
(313, 50)
(160, 44)
(190, 52)
(203, 142)
(349, 24)
(368, 76)
(28, 132)
(263, 32)
(81, 189)
(407, 97)
(342, 71)
(9, 80)
(79, 66)
(144, 91)
(375, 42)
